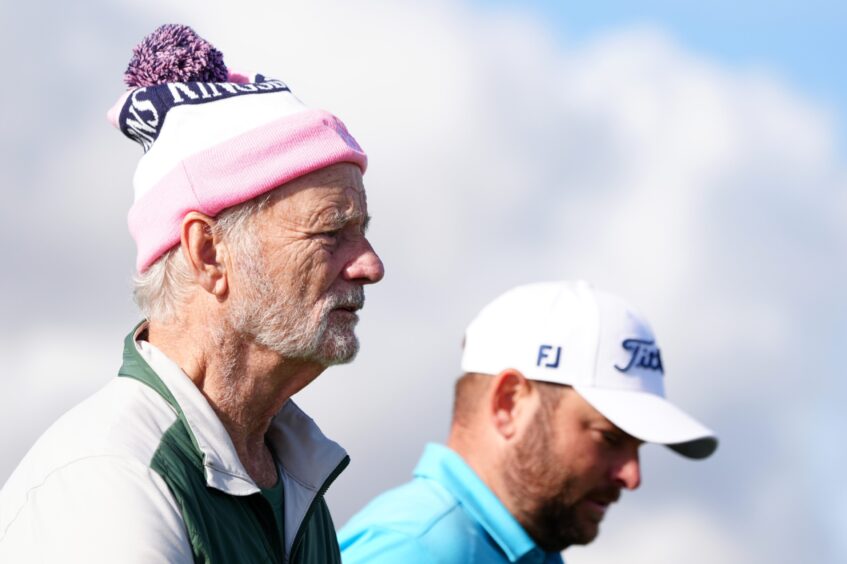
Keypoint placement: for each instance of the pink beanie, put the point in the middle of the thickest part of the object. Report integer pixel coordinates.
(212, 139)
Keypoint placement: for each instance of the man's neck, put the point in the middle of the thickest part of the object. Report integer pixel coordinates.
(245, 384)
(481, 455)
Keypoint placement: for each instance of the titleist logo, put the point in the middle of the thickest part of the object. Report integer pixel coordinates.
(643, 354)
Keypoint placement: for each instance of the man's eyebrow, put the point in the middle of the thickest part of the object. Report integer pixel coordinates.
(340, 218)
(623, 434)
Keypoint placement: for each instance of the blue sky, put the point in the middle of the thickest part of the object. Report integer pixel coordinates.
(801, 42)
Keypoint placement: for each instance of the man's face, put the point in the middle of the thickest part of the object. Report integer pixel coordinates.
(298, 290)
(568, 467)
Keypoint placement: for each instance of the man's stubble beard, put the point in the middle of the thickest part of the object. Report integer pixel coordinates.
(546, 500)
(282, 321)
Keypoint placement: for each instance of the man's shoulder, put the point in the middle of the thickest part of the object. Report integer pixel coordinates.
(96, 509)
(121, 425)
(91, 468)
(420, 520)
(411, 509)
(125, 417)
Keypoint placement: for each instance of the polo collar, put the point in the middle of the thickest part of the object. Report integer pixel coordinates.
(450, 470)
(303, 451)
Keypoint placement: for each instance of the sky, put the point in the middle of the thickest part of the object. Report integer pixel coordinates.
(798, 41)
(691, 161)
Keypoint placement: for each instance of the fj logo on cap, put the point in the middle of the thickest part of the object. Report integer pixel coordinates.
(545, 355)
(643, 354)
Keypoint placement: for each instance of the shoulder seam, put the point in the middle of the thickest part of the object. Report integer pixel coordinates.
(54, 471)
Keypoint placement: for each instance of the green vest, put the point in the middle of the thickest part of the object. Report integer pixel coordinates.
(224, 528)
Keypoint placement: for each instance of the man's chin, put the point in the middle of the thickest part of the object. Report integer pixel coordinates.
(587, 533)
(337, 347)
(587, 525)
(561, 526)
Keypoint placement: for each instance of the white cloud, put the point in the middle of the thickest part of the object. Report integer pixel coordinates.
(712, 198)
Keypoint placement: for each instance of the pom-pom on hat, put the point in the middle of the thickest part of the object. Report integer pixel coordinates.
(174, 53)
(212, 138)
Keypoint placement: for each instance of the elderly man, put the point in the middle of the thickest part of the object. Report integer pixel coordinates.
(562, 385)
(250, 219)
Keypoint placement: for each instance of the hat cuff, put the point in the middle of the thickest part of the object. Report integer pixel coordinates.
(235, 171)
(652, 419)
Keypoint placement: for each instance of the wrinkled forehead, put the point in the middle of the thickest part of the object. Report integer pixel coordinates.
(330, 195)
(337, 178)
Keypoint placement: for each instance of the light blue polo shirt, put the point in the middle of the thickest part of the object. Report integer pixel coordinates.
(446, 515)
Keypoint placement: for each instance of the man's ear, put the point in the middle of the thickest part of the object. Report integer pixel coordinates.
(510, 402)
(205, 253)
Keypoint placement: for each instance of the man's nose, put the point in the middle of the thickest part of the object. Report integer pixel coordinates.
(365, 267)
(628, 472)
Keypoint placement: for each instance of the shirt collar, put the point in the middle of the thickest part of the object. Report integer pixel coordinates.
(449, 469)
(303, 451)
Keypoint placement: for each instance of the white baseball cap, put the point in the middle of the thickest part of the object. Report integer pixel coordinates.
(569, 333)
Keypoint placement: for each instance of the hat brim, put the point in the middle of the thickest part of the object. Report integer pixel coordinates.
(652, 419)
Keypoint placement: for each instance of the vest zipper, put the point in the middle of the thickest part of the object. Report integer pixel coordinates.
(298, 538)
(265, 514)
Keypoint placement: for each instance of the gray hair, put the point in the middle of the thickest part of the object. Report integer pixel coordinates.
(160, 290)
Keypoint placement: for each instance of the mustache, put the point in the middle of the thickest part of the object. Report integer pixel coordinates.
(606, 495)
(349, 298)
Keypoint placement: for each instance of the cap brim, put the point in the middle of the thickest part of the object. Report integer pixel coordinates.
(652, 419)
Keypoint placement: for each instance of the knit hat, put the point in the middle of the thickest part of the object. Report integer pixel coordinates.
(212, 138)
(569, 333)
